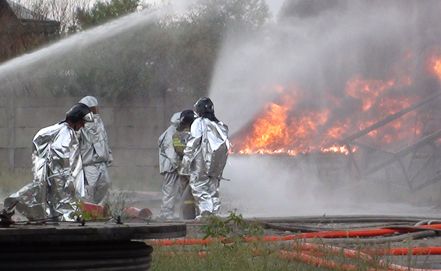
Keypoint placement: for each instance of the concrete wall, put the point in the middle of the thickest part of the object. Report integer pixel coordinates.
(133, 125)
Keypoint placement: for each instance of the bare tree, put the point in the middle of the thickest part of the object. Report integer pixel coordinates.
(62, 11)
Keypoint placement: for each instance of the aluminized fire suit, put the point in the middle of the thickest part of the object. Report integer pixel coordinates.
(58, 178)
(168, 166)
(204, 160)
(97, 156)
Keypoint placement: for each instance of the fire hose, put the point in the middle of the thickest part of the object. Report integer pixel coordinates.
(308, 235)
(306, 251)
(310, 258)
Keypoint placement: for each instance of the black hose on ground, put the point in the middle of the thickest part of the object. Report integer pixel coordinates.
(343, 219)
(381, 240)
(303, 228)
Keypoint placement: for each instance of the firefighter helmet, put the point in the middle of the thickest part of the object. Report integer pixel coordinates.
(79, 112)
(187, 117)
(204, 105)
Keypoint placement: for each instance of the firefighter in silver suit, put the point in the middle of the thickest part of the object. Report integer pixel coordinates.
(205, 157)
(58, 178)
(96, 154)
(171, 146)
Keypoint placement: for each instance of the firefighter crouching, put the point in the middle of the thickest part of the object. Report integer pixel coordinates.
(58, 178)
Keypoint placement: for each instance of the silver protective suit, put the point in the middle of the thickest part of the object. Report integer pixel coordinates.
(58, 177)
(204, 160)
(169, 163)
(97, 156)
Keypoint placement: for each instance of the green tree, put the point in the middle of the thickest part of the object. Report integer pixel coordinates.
(174, 56)
(199, 36)
(232, 14)
(102, 12)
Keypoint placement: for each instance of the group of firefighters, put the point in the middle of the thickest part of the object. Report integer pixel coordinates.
(70, 161)
(192, 155)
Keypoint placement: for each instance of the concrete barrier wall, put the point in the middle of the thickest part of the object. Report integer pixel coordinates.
(133, 125)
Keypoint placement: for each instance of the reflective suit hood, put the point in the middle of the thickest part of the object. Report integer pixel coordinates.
(168, 158)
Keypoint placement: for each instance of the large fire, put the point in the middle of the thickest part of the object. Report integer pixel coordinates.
(289, 126)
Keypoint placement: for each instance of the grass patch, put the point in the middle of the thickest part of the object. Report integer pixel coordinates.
(236, 256)
(255, 256)
(231, 252)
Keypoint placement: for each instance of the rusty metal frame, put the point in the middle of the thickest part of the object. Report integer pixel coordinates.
(396, 157)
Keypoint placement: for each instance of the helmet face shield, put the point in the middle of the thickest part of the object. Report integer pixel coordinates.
(88, 117)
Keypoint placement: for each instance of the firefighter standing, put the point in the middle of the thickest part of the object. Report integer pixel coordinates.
(96, 154)
(205, 157)
(180, 139)
(171, 146)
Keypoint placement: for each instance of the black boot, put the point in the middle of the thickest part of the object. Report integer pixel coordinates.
(6, 218)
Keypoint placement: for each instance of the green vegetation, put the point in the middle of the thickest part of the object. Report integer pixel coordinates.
(215, 257)
(231, 252)
(233, 227)
(102, 12)
(160, 57)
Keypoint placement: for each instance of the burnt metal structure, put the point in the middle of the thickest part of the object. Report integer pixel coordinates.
(405, 158)
(71, 246)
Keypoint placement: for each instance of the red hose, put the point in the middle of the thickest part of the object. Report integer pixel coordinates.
(320, 262)
(313, 260)
(350, 253)
(308, 235)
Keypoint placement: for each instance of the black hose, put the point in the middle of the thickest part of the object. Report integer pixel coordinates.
(381, 240)
(342, 219)
(303, 228)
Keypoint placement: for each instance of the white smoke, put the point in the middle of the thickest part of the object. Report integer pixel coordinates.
(317, 52)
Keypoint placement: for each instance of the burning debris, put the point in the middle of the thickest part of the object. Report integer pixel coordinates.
(386, 128)
(296, 124)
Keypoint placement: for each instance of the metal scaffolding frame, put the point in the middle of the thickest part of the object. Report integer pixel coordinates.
(363, 171)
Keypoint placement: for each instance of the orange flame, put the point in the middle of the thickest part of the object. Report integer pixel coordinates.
(367, 90)
(435, 66)
(275, 131)
(289, 127)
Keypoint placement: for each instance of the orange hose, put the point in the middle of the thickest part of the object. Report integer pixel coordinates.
(275, 238)
(307, 258)
(330, 234)
(350, 253)
(308, 235)
(320, 262)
